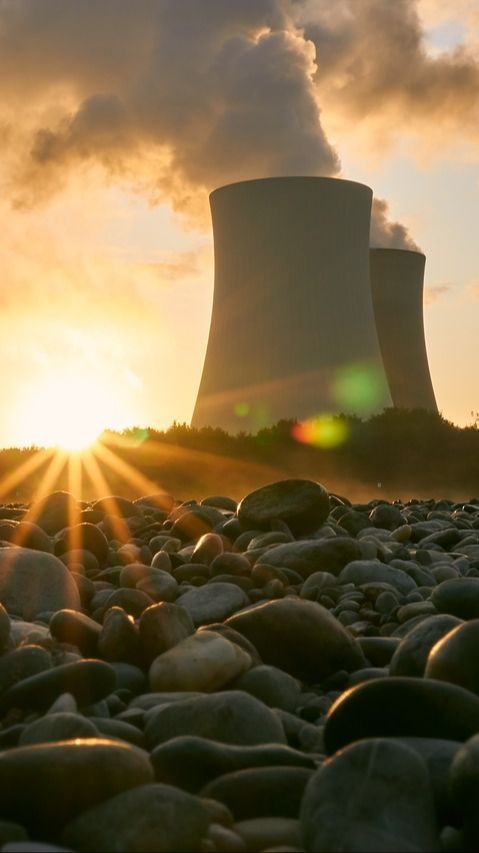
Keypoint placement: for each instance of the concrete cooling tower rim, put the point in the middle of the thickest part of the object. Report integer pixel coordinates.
(293, 179)
(391, 250)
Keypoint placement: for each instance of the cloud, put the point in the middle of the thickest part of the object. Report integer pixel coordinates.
(472, 289)
(375, 71)
(230, 96)
(434, 292)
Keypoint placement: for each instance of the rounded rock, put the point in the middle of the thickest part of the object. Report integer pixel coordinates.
(213, 602)
(411, 655)
(230, 717)
(33, 582)
(87, 680)
(454, 657)
(203, 662)
(302, 504)
(191, 762)
(300, 637)
(46, 785)
(401, 707)
(384, 810)
(260, 791)
(151, 817)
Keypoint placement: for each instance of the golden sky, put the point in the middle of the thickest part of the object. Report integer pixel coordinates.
(118, 118)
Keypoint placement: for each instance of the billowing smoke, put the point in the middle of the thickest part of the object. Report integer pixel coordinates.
(176, 97)
(374, 68)
(209, 92)
(386, 234)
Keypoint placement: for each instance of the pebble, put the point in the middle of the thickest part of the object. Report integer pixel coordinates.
(54, 512)
(367, 571)
(163, 626)
(302, 504)
(308, 556)
(411, 655)
(77, 629)
(300, 637)
(464, 787)
(190, 762)
(229, 717)
(87, 680)
(119, 638)
(271, 685)
(454, 657)
(395, 707)
(152, 817)
(389, 803)
(22, 663)
(267, 833)
(269, 639)
(203, 662)
(58, 727)
(32, 582)
(459, 597)
(260, 791)
(46, 785)
(213, 602)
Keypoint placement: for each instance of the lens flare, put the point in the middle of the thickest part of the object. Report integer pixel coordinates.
(359, 387)
(324, 431)
(242, 410)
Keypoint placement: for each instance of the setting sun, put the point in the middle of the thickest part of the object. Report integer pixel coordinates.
(68, 410)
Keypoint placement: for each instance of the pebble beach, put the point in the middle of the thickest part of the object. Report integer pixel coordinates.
(290, 672)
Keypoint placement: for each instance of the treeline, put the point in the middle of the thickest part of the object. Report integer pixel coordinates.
(398, 453)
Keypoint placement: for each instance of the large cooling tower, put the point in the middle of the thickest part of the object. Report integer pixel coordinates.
(397, 281)
(292, 330)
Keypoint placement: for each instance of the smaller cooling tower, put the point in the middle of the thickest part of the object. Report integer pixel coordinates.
(397, 283)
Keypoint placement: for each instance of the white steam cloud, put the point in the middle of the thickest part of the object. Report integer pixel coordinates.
(176, 97)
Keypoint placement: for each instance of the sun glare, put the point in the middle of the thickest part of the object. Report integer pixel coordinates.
(68, 411)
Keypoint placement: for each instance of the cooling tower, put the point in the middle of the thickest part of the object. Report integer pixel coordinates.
(397, 281)
(292, 331)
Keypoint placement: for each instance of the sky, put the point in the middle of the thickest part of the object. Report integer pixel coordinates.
(116, 121)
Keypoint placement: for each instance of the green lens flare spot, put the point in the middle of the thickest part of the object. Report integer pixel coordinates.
(359, 388)
(241, 410)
